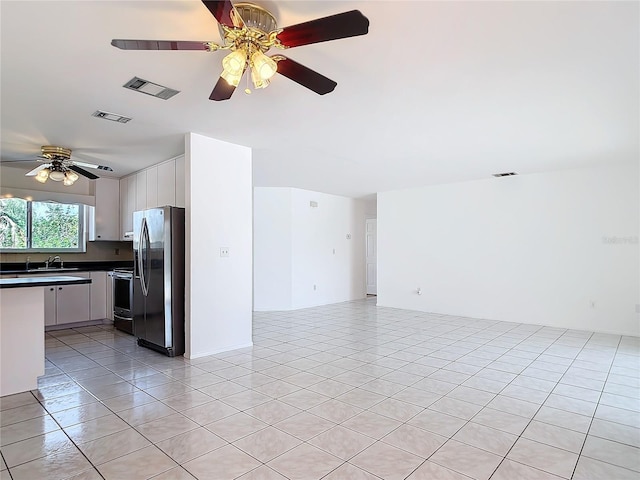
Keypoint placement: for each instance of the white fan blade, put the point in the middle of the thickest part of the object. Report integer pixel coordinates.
(35, 171)
(91, 165)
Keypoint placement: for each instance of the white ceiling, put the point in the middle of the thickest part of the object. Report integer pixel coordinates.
(436, 92)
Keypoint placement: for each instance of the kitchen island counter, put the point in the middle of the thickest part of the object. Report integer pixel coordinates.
(22, 330)
(38, 281)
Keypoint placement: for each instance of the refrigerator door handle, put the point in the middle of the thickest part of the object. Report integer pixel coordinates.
(136, 266)
(142, 257)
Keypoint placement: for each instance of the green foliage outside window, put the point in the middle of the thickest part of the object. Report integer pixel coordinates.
(13, 223)
(39, 225)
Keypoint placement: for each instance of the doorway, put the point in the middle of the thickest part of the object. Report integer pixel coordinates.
(371, 249)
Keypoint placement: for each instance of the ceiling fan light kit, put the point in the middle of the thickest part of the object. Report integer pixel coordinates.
(59, 167)
(250, 31)
(57, 173)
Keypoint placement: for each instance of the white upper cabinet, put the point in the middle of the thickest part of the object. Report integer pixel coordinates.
(127, 206)
(123, 205)
(156, 186)
(180, 182)
(141, 190)
(167, 183)
(152, 187)
(105, 224)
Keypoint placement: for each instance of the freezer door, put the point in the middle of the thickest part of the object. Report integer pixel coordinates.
(138, 307)
(157, 267)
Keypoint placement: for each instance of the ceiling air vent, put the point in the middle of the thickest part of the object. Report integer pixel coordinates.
(114, 117)
(506, 174)
(150, 88)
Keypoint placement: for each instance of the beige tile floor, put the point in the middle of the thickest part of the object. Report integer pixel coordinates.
(340, 392)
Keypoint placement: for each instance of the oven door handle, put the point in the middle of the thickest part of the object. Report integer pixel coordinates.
(122, 276)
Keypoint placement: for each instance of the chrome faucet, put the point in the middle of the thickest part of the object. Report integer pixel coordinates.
(52, 260)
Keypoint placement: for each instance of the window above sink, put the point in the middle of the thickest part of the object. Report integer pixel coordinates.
(37, 226)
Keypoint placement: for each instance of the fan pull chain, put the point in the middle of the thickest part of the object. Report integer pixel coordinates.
(247, 90)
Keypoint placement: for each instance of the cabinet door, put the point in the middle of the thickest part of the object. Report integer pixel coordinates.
(141, 191)
(72, 303)
(180, 182)
(167, 183)
(109, 297)
(107, 210)
(124, 190)
(49, 300)
(49, 306)
(129, 185)
(98, 295)
(152, 187)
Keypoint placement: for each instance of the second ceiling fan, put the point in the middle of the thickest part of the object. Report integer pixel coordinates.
(249, 31)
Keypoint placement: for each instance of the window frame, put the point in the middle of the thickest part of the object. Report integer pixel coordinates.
(82, 232)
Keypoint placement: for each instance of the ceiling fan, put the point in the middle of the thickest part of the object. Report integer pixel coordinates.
(249, 31)
(58, 166)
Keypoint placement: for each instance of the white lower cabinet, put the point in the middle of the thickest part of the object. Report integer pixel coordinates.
(109, 297)
(98, 309)
(50, 315)
(68, 304)
(72, 303)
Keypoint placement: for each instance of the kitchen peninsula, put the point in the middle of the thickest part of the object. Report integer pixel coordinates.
(22, 330)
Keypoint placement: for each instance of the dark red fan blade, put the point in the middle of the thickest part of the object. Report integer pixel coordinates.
(222, 10)
(342, 25)
(157, 45)
(83, 172)
(305, 76)
(222, 90)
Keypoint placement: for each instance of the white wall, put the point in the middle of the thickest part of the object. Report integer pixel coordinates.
(298, 246)
(371, 207)
(218, 214)
(536, 248)
(272, 249)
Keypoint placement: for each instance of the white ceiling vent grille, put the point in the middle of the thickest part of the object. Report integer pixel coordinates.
(507, 174)
(150, 88)
(114, 117)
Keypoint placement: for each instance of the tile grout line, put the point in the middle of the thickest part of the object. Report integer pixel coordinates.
(398, 348)
(540, 407)
(95, 467)
(597, 405)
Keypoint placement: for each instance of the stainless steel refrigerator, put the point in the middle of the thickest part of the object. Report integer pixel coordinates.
(158, 280)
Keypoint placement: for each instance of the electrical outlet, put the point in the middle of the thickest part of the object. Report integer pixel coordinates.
(315, 287)
(224, 251)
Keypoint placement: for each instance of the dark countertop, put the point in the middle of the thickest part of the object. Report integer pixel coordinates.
(41, 281)
(21, 268)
